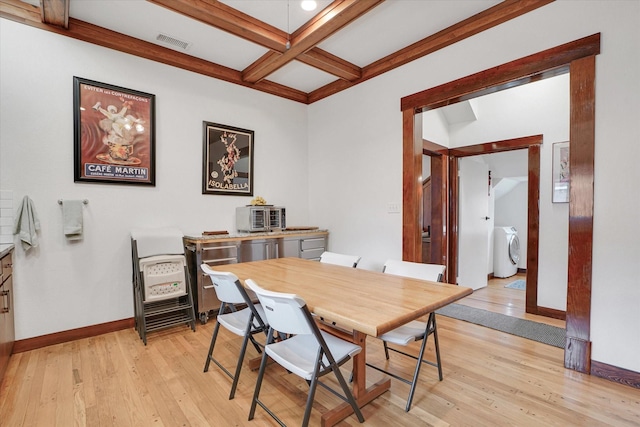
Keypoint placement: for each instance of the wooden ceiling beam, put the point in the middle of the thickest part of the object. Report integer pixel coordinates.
(25, 13)
(303, 41)
(496, 15)
(330, 20)
(229, 19)
(55, 12)
(323, 60)
(245, 26)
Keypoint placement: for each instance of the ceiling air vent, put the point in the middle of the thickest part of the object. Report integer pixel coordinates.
(164, 38)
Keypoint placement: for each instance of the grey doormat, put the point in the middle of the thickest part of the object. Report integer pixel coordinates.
(540, 332)
(517, 284)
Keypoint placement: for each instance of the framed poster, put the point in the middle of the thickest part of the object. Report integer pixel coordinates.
(114, 134)
(227, 165)
(560, 170)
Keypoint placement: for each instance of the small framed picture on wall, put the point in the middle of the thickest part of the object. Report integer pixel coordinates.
(227, 164)
(114, 134)
(560, 170)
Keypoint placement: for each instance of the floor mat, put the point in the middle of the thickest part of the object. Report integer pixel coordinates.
(546, 334)
(517, 284)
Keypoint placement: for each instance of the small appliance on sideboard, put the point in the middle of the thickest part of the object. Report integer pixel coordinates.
(260, 218)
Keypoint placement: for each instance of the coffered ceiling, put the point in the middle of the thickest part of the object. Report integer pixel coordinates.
(272, 45)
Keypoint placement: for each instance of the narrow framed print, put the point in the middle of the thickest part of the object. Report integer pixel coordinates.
(227, 165)
(560, 170)
(114, 134)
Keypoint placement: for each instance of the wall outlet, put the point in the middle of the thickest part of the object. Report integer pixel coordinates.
(393, 208)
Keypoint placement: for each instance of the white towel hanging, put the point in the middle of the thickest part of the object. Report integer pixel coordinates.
(27, 224)
(72, 219)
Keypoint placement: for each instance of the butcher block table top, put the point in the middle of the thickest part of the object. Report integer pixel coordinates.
(362, 301)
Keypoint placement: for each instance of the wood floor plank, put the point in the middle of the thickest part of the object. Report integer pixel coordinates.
(490, 379)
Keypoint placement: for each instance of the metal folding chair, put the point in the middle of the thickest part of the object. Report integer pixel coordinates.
(245, 322)
(340, 259)
(415, 330)
(308, 353)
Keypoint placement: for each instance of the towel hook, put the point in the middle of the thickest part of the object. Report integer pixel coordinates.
(84, 202)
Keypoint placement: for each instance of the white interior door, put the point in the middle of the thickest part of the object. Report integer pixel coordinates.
(473, 229)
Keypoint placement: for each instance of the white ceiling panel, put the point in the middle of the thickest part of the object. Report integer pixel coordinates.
(396, 24)
(301, 76)
(144, 21)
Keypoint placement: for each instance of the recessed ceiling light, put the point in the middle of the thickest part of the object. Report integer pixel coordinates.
(308, 5)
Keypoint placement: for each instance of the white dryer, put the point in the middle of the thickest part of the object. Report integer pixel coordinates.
(506, 251)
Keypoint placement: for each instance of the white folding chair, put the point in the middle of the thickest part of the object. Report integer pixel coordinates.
(245, 322)
(340, 259)
(415, 330)
(309, 353)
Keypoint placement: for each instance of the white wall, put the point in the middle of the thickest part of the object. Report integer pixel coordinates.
(356, 153)
(62, 285)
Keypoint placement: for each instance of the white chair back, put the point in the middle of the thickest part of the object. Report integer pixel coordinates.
(415, 270)
(340, 259)
(283, 311)
(224, 284)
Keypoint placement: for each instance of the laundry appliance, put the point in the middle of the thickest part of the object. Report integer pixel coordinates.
(506, 252)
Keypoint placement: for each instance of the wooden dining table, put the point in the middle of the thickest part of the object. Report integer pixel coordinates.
(352, 303)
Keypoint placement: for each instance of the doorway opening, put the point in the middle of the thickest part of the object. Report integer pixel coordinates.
(578, 58)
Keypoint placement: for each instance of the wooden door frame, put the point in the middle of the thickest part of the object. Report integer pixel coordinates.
(532, 144)
(578, 58)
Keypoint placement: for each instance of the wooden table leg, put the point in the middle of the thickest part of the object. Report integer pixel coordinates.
(362, 394)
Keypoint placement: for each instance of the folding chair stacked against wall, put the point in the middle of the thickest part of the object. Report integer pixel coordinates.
(162, 292)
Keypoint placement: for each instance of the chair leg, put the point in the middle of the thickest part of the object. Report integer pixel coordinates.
(211, 346)
(347, 393)
(416, 374)
(310, 398)
(263, 365)
(243, 350)
(437, 345)
(430, 327)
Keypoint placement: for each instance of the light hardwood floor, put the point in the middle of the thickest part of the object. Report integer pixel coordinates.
(490, 379)
(498, 299)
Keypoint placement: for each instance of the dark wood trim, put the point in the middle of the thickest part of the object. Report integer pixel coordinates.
(615, 374)
(482, 21)
(72, 335)
(505, 76)
(497, 146)
(430, 148)
(579, 57)
(452, 220)
(551, 312)
(412, 197)
(438, 205)
(581, 164)
(533, 227)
